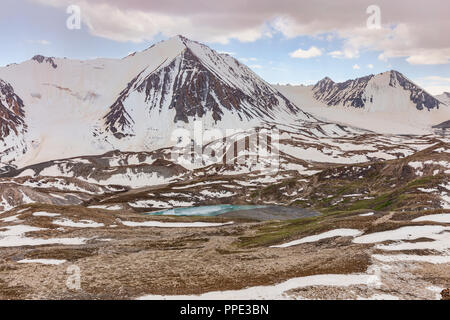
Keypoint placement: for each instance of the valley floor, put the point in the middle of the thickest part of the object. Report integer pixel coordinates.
(128, 256)
(368, 219)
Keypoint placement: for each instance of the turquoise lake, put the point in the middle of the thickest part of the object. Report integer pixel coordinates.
(207, 211)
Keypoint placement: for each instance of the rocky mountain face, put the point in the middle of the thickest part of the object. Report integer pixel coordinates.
(349, 93)
(42, 59)
(388, 90)
(12, 123)
(198, 83)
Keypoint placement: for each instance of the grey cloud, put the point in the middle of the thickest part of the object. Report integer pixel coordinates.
(414, 29)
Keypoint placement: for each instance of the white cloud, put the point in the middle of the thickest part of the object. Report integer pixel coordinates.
(279, 69)
(356, 67)
(382, 57)
(430, 57)
(41, 42)
(437, 78)
(345, 54)
(256, 66)
(306, 54)
(245, 60)
(370, 66)
(227, 52)
(336, 54)
(139, 21)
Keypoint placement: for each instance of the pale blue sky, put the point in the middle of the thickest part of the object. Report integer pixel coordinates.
(30, 27)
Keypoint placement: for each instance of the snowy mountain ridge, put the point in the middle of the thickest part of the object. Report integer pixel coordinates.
(198, 83)
(386, 103)
(76, 107)
(12, 123)
(384, 91)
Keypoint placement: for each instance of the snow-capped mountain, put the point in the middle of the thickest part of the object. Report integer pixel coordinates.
(12, 123)
(445, 98)
(75, 107)
(386, 91)
(384, 103)
(198, 83)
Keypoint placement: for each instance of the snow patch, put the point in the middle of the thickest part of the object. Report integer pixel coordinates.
(159, 224)
(80, 224)
(324, 235)
(43, 261)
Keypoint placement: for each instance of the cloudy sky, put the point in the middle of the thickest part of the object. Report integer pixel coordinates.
(284, 41)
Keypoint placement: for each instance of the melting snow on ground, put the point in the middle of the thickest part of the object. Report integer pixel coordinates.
(14, 236)
(278, 291)
(443, 217)
(113, 207)
(150, 204)
(367, 214)
(45, 214)
(10, 219)
(43, 261)
(219, 194)
(404, 233)
(159, 224)
(412, 258)
(324, 235)
(439, 236)
(79, 224)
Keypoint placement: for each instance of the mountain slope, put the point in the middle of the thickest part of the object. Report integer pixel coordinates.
(386, 91)
(384, 103)
(12, 124)
(198, 83)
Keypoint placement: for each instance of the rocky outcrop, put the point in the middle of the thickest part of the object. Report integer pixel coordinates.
(42, 59)
(418, 96)
(12, 123)
(11, 111)
(349, 93)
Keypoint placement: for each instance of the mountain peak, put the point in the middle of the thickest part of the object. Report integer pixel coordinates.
(172, 46)
(323, 85)
(325, 80)
(373, 91)
(181, 38)
(177, 38)
(188, 81)
(41, 59)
